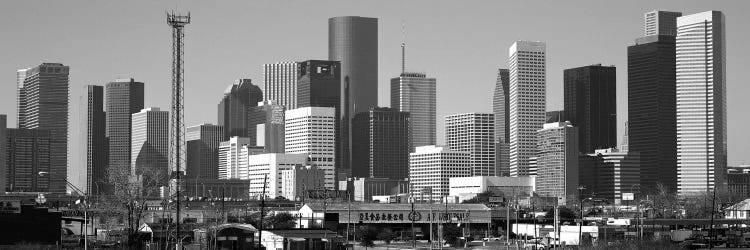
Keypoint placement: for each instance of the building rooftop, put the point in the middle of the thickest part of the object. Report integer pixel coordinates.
(740, 206)
(395, 207)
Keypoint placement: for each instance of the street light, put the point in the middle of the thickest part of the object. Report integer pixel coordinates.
(580, 207)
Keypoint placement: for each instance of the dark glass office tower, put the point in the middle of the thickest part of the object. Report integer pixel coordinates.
(381, 144)
(203, 151)
(124, 98)
(44, 105)
(29, 160)
(233, 107)
(353, 41)
(652, 115)
(501, 109)
(500, 106)
(416, 93)
(3, 153)
(94, 145)
(591, 105)
(555, 116)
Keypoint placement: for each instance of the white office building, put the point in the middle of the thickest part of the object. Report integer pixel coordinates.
(464, 188)
(280, 83)
(701, 103)
(311, 131)
(431, 167)
(150, 143)
(557, 162)
(229, 157)
(473, 133)
(527, 61)
(271, 165)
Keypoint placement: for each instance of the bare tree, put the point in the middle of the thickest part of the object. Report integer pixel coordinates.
(132, 193)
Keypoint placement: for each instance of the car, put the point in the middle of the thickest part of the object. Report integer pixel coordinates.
(492, 239)
(538, 246)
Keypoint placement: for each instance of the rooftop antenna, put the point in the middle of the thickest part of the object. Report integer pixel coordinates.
(403, 47)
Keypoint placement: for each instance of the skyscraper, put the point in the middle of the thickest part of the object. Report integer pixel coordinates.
(266, 126)
(44, 105)
(234, 106)
(124, 98)
(659, 22)
(381, 144)
(150, 144)
(557, 162)
(701, 102)
(501, 109)
(29, 160)
(353, 41)
(500, 106)
(3, 153)
(311, 131)
(280, 83)
(319, 85)
(527, 102)
(591, 105)
(473, 133)
(652, 119)
(415, 93)
(94, 147)
(203, 151)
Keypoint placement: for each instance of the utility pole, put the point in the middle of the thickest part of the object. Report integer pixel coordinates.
(262, 207)
(580, 208)
(177, 123)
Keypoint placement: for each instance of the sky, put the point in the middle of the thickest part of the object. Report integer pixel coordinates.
(461, 43)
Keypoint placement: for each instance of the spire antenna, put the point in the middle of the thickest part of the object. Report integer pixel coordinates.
(403, 47)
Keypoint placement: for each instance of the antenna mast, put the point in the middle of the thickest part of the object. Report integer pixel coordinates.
(177, 116)
(403, 47)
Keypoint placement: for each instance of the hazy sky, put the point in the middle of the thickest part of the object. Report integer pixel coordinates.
(461, 43)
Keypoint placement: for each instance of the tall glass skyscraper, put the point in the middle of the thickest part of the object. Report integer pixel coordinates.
(91, 175)
(124, 98)
(415, 93)
(652, 120)
(43, 104)
(353, 41)
(501, 109)
(701, 103)
(591, 105)
(203, 151)
(234, 107)
(527, 61)
(381, 144)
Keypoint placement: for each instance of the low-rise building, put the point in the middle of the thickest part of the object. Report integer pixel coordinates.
(464, 188)
(363, 189)
(299, 179)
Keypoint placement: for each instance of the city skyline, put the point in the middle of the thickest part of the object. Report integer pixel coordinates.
(79, 74)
